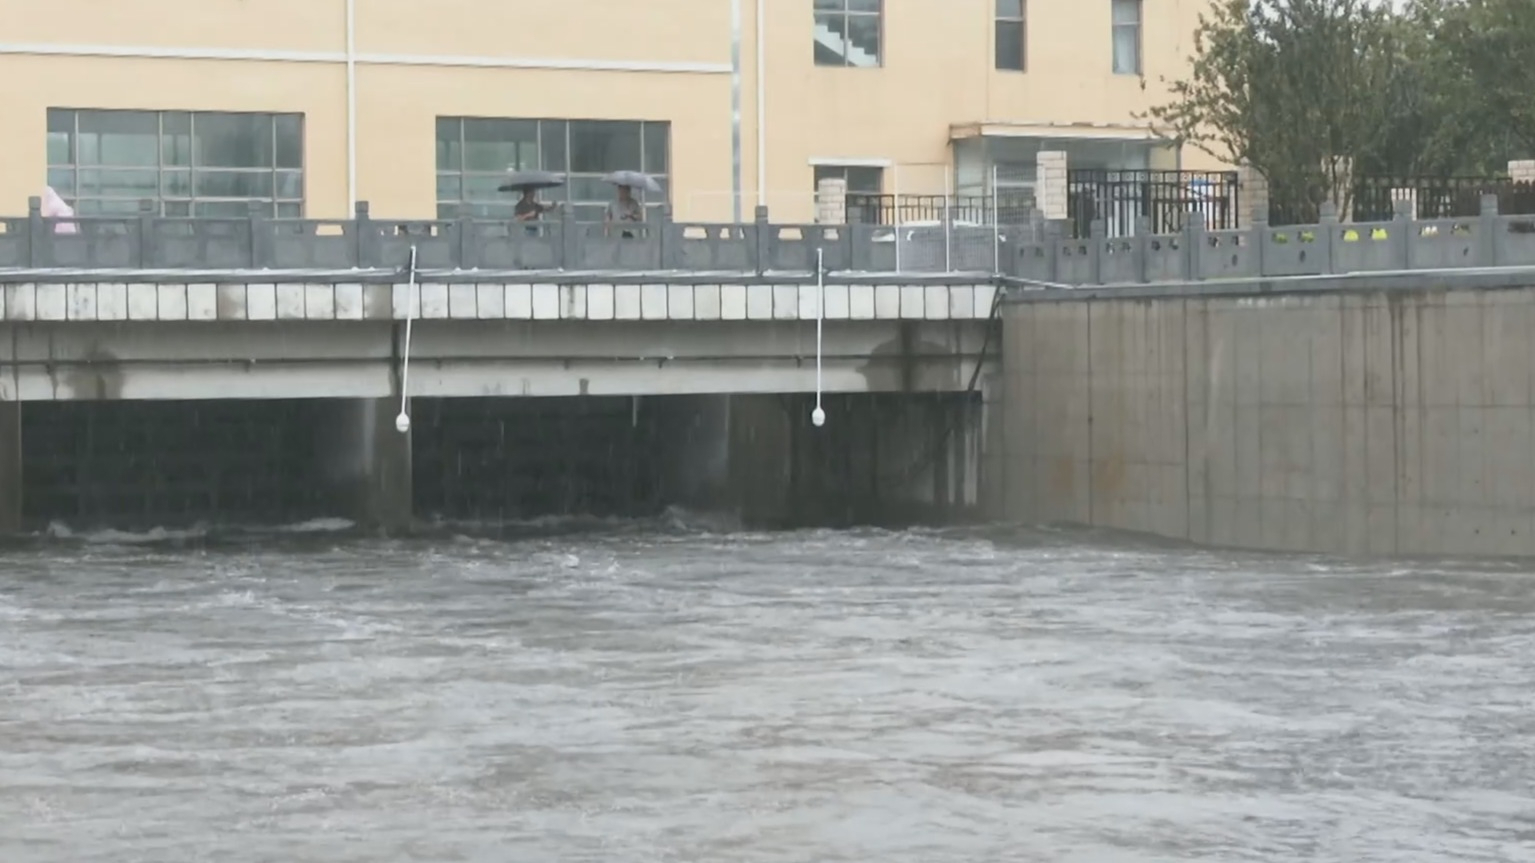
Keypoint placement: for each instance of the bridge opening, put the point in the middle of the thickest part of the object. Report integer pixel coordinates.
(144, 464)
(880, 459)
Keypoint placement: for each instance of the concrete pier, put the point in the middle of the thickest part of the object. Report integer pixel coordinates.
(10, 468)
(364, 462)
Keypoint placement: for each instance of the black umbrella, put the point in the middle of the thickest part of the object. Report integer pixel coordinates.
(522, 181)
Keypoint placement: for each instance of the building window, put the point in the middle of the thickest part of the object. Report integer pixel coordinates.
(847, 32)
(186, 163)
(1012, 35)
(474, 154)
(1127, 37)
(860, 180)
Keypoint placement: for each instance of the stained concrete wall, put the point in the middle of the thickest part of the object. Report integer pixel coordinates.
(1378, 422)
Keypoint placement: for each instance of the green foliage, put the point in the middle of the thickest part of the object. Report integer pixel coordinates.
(1305, 90)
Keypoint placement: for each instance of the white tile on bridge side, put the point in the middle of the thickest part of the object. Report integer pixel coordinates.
(546, 302)
(861, 305)
(601, 303)
(785, 302)
(679, 302)
(434, 301)
(290, 302)
(935, 300)
(260, 302)
(490, 302)
(706, 302)
(887, 302)
(52, 302)
(405, 301)
(575, 302)
(913, 302)
(985, 299)
(653, 302)
(838, 298)
(21, 302)
(759, 302)
(626, 302)
(519, 302)
(349, 303)
(112, 301)
(202, 302)
(463, 302)
(143, 302)
(733, 302)
(320, 302)
(812, 302)
(82, 303)
(962, 302)
(171, 302)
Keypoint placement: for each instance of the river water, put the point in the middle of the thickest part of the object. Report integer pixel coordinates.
(657, 692)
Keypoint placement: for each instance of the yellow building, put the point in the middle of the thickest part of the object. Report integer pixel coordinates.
(310, 105)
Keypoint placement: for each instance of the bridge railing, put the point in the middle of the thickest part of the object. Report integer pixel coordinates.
(150, 241)
(1041, 252)
(1331, 247)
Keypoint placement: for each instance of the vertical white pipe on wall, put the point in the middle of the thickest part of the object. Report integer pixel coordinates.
(351, 107)
(761, 103)
(735, 109)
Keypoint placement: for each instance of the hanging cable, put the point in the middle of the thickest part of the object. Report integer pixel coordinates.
(402, 422)
(818, 416)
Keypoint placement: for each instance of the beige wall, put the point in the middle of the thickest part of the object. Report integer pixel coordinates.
(586, 59)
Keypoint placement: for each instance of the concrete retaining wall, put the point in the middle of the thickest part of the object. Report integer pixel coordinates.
(1380, 422)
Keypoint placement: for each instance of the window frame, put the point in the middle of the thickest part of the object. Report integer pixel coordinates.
(1138, 26)
(1021, 21)
(177, 178)
(845, 14)
(547, 130)
(821, 172)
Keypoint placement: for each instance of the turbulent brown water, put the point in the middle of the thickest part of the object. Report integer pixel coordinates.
(655, 692)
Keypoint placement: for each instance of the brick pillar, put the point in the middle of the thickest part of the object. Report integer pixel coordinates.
(1050, 185)
(1522, 170)
(831, 201)
(1252, 197)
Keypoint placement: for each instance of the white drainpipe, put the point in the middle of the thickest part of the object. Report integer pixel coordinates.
(351, 107)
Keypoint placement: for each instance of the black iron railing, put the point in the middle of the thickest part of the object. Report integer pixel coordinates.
(1375, 196)
(1166, 199)
(1008, 208)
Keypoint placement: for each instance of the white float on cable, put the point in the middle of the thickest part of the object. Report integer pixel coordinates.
(818, 416)
(402, 422)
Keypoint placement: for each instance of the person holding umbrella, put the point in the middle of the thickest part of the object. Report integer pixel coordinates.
(528, 208)
(626, 208)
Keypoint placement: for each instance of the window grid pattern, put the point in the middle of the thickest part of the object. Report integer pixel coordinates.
(1127, 37)
(475, 153)
(861, 180)
(1012, 33)
(848, 33)
(185, 163)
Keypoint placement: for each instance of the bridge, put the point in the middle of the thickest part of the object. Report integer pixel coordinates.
(139, 329)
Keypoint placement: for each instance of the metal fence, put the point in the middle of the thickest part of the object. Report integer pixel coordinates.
(1005, 209)
(1163, 199)
(1375, 196)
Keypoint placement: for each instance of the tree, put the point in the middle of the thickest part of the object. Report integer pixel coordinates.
(1480, 56)
(1308, 92)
